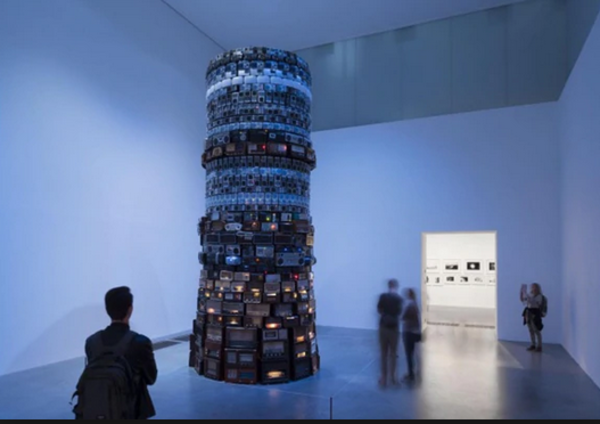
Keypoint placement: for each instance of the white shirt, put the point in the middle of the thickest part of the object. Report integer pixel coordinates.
(533, 302)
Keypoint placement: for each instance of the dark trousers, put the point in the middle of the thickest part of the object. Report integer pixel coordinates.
(410, 341)
(388, 342)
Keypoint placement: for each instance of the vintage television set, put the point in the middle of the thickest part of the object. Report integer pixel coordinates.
(255, 286)
(233, 308)
(241, 357)
(306, 320)
(288, 286)
(234, 321)
(213, 350)
(253, 322)
(301, 368)
(292, 321)
(199, 365)
(198, 327)
(289, 297)
(241, 338)
(300, 334)
(241, 366)
(252, 297)
(258, 310)
(301, 350)
(214, 320)
(275, 372)
(239, 286)
(272, 292)
(273, 323)
(214, 334)
(213, 368)
(222, 286)
(214, 307)
(233, 297)
(274, 350)
(275, 334)
(241, 375)
(283, 310)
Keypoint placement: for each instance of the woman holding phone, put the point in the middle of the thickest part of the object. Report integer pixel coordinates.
(532, 315)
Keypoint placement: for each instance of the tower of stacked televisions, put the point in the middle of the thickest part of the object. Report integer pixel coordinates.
(256, 307)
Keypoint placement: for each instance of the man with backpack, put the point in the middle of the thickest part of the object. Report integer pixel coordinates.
(120, 367)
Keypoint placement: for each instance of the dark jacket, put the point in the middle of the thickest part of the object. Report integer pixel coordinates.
(535, 315)
(390, 308)
(140, 356)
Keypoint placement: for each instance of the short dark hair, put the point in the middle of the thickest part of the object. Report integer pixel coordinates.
(117, 302)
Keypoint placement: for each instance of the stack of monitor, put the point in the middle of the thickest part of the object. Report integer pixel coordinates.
(256, 306)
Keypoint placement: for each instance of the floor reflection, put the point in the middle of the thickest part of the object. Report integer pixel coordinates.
(462, 373)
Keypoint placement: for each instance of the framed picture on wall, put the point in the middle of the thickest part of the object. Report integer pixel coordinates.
(433, 265)
(464, 279)
(433, 279)
(473, 266)
(478, 279)
(491, 280)
(451, 279)
(451, 265)
(490, 267)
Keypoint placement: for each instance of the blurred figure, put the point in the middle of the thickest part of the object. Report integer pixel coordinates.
(411, 330)
(389, 308)
(533, 313)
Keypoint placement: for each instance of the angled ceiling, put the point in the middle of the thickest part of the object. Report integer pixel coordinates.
(298, 24)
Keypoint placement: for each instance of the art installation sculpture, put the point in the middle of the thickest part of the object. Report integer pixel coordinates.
(256, 306)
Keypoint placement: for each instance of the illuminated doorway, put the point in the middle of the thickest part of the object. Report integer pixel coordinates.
(459, 280)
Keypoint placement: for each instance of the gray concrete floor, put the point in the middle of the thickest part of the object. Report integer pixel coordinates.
(469, 317)
(465, 373)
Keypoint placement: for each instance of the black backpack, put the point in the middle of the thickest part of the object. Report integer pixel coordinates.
(105, 389)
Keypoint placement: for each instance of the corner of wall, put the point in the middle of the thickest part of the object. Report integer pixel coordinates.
(580, 232)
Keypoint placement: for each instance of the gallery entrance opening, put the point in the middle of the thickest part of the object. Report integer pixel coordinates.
(460, 280)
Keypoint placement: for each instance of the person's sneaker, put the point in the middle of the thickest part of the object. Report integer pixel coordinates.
(531, 348)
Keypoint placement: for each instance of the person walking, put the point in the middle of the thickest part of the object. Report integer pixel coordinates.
(389, 308)
(411, 331)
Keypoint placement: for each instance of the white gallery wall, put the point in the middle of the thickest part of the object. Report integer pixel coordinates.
(377, 188)
(580, 130)
(102, 116)
(451, 280)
